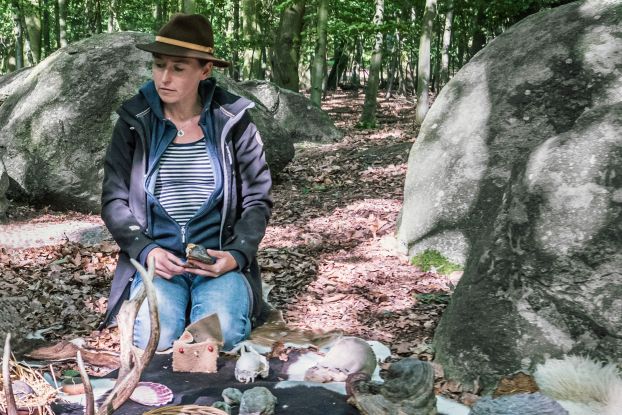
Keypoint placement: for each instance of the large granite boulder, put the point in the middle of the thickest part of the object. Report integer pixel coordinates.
(517, 173)
(56, 119)
(294, 112)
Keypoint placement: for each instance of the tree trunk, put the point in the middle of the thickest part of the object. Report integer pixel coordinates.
(18, 32)
(368, 117)
(319, 60)
(437, 55)
(32, 21)
(60, 9)
(356, 66)
(339, 66)
(45, 29)
(446, 43)
(479, 37)
(189, 6)
(250, 30)
(286, 48)
(25, 37)
(423, 63)
(113, 22)
(235, 66)
(393, 65)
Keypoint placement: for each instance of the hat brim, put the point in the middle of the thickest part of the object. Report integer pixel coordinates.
(172, 50)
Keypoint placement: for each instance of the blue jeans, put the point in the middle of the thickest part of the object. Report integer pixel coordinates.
(227, 295)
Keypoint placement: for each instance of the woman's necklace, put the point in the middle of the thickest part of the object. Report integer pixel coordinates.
(182, 126)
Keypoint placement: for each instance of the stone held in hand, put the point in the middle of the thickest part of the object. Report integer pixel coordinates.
(250, 365)
(199, 253)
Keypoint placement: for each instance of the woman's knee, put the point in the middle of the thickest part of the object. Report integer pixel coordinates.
(229, 297)
(172, 298)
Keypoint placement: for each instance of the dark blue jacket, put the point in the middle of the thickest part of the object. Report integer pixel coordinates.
(236, 216)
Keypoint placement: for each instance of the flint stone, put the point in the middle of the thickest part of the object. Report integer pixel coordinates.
(56, 119)
(518, 170)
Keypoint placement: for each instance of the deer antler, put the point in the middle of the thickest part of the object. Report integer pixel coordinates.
(88, 388)
(129, 375)
(11, 407)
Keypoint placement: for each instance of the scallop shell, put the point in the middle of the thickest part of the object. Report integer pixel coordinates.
(151, 394)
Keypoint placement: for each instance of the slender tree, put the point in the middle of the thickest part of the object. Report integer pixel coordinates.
(319, 60)
(251, 32)
(45, 29)
(61, 22)
(235, 67)
(449, 14)
(478, 37)
(286, 48)
(423, 73)
(18, 32)
(113, 12)
(32, 19)
(368, 118)
(189, 6)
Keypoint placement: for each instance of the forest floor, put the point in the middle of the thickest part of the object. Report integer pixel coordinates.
(329, 250)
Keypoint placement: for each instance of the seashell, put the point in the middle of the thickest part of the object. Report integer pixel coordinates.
(21, 389)
(519, 404)
(250, 365)
(151, 394)
(232, 396)
(199, 253)
(223, 406)
(349, 355)
(257, 401)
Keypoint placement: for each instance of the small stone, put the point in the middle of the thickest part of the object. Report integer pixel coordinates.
(232, 396)
(223, 406)
(257, 401)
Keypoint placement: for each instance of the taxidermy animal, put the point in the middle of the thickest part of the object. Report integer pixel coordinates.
(349, 355)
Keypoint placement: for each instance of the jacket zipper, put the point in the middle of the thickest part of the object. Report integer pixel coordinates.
(183, 235)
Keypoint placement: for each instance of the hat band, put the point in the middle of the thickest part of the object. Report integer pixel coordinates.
(183, 44)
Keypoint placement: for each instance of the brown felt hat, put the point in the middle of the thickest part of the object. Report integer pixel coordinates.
(188, 36)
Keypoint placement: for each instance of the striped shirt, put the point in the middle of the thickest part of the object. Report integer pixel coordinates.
(185, 179)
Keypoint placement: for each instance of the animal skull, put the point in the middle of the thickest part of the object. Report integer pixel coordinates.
(250, 365)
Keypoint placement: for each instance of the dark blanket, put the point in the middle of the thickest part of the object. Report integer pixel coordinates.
(205, 389)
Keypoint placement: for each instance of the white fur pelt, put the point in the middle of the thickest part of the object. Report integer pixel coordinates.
(581, 385)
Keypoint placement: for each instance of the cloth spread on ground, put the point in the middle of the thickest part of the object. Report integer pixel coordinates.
(205, 389)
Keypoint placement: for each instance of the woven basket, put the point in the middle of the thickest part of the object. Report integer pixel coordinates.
(186, 410)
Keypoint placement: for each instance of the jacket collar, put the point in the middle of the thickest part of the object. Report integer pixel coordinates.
(148, 100)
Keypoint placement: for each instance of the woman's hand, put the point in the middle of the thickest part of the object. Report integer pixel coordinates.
(225, 262)
(167, 265)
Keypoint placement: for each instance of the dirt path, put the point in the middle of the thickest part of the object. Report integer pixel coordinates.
(328, 251)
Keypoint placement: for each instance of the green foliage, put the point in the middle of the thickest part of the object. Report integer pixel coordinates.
(350, 24)
(433, 298)
(432, 258)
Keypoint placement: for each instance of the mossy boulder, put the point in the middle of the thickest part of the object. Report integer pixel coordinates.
(517, 172)
(56, 119)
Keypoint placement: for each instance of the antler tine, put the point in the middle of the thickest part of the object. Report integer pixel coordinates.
(11, 407)
(88, 388)
(129, 377)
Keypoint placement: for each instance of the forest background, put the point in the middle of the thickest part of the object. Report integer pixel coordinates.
(403, 47)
